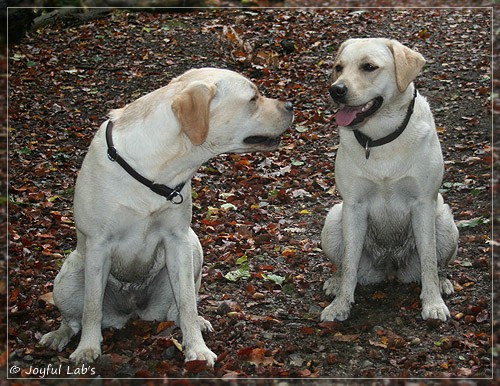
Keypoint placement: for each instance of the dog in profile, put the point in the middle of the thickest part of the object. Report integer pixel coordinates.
(136, 254)
(392, 221)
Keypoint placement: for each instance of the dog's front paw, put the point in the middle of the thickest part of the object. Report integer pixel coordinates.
(200, 352)
(435, 310)
(205, 325)
(336, 310)
(85, 354)
(331, 286)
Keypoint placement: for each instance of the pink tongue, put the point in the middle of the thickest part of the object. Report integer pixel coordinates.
(345, 116)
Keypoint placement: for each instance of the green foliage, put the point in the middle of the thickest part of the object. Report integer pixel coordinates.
(242, 272)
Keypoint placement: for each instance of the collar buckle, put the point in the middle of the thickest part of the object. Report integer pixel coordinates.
(176, 197)
(112, 153)
(172, 195)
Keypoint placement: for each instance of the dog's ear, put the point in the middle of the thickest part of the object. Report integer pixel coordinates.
(342, 46)
(192, 108)
(408, 63)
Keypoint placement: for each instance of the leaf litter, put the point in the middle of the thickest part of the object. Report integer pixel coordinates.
(264, 307)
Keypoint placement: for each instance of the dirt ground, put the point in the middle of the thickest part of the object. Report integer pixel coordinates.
(257, 215)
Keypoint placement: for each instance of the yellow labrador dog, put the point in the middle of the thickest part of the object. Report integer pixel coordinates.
(389, 167)
(136, 253)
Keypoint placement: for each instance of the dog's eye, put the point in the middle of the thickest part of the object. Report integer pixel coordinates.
(254, 98)
(368, 67)
(338, 68)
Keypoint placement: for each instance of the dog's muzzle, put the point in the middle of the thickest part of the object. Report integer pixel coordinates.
(352, 115)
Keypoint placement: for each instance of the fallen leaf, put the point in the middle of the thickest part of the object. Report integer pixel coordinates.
(176, 344)
(345, 338)
(47, 298)
(162, 326)
(196, 366)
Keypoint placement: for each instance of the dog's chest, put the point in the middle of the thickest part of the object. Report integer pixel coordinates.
(139, 267)
(389, 228)
(139, 253)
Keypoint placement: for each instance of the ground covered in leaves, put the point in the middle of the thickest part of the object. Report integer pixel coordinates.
(258, 216)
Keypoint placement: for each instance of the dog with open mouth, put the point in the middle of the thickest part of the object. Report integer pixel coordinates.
(136, 253)
(392, 221)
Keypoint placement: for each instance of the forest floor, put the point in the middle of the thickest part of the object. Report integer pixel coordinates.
(258, 216)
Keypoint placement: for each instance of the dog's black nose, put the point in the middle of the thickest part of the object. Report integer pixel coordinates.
(289, 106)
(338, 91)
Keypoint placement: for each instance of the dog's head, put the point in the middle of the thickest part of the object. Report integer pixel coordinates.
(225, 112)
(367, 73)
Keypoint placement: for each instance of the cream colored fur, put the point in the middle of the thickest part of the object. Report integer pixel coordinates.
(136, 253)
(392, 221)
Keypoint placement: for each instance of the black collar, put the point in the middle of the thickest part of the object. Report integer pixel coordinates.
(368, 143)
(172, 195)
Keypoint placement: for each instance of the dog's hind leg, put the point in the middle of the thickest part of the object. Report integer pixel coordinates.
(332, 245)
(68, 297)
(331, 235)
(59, 338)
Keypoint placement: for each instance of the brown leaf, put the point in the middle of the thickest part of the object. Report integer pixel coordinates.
(330, 325)
(14, 295)
(255, 355)
(308, 330)
(143, 374)
(345, 338)
(379, 295)
(382, 343)
(47, 298)
(196, 366)
(162, 326)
